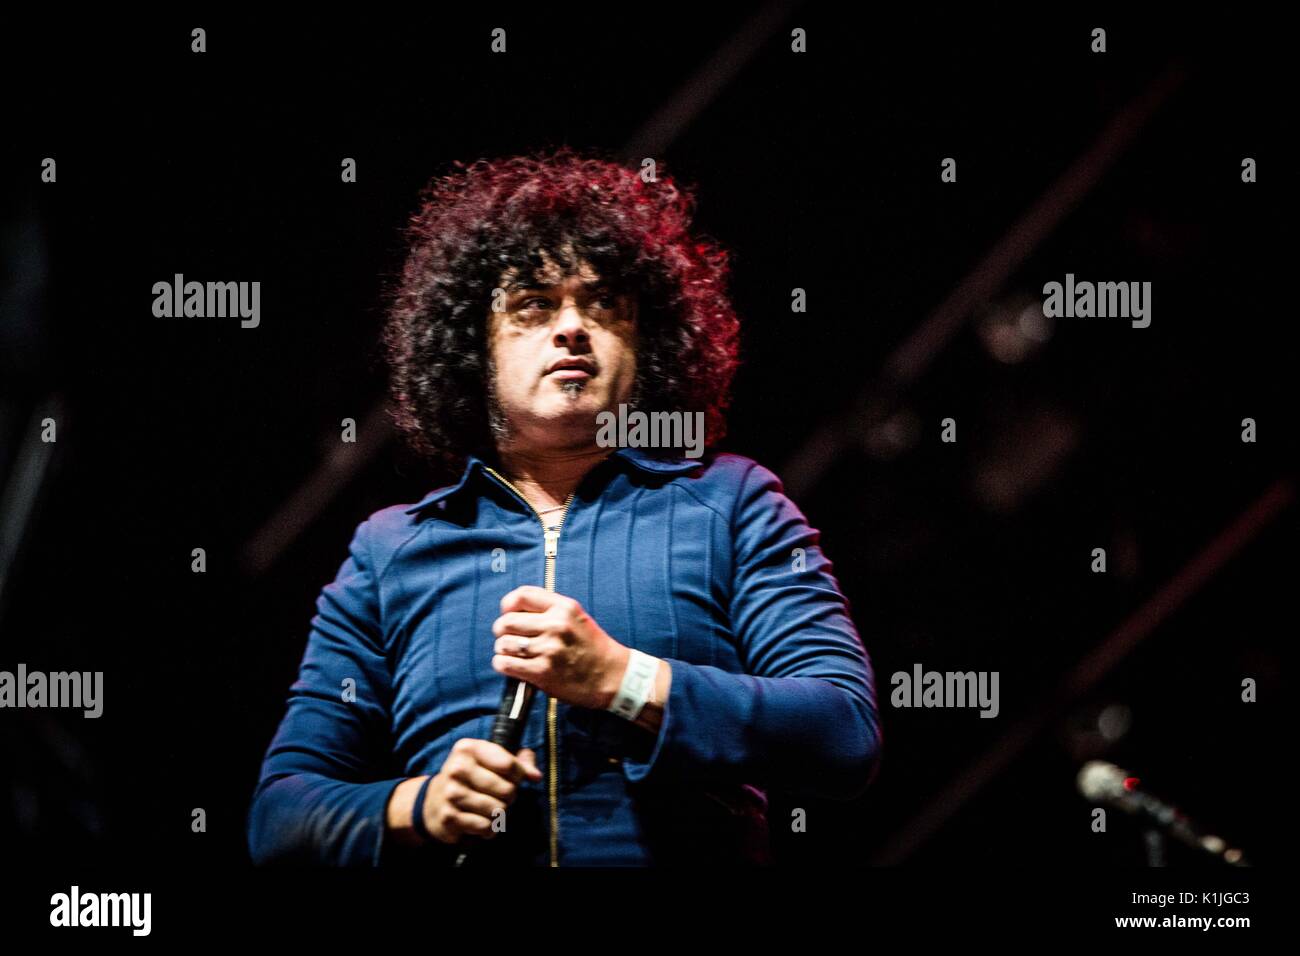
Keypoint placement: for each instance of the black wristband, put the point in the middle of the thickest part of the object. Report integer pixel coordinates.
(417, 813)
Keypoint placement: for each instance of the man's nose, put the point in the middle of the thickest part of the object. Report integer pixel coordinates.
(570, 326)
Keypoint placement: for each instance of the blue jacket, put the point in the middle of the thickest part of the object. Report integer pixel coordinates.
(704, 563)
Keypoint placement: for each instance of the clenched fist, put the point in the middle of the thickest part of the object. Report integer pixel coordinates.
(477, 782)
(549, 641)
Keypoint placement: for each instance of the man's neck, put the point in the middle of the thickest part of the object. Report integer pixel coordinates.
(548, 478)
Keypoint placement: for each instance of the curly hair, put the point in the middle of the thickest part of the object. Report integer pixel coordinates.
(494, 215)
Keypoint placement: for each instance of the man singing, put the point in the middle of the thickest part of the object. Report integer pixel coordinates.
(688, 642)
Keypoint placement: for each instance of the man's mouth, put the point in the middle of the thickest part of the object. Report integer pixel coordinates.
(572, 369)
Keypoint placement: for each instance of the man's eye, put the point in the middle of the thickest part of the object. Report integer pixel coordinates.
(605, 301)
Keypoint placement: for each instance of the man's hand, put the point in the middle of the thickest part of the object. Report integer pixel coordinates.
(549, 641)
(475, 786)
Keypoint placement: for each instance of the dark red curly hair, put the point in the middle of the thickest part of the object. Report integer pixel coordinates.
(490, 216)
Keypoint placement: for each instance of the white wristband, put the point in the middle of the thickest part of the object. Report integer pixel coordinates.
(638, 685)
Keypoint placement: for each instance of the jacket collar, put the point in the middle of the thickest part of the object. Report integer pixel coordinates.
(637, 457)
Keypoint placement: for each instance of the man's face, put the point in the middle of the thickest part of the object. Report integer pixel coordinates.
(554, 320)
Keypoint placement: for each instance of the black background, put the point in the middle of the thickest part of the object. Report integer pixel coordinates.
(818, 171)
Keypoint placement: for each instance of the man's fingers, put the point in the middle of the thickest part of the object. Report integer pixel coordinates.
(513, 646)
(528, 760)
(481, 779)
(469, 824)
(497, 759)
(529, 669)
(528, 597)
(485, 753)
(468, 800)
(526, 623)
(480, 784)
(536, 648)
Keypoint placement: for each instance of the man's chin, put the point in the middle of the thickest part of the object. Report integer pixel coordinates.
(574, 388)
(573, 401)
(574, 417)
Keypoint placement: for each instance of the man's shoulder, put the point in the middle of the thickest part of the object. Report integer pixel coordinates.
(724, 468)
(723, 476)
(383, 532)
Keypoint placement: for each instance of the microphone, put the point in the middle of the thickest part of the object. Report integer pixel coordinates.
(508, 727)
(1103, 782)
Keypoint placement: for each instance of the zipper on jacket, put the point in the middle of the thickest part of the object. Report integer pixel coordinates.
(551, 536)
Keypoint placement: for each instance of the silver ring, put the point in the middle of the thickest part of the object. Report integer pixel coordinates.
(523, 646)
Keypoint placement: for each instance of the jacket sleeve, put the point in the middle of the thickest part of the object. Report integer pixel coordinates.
(803, 716)
(318, 799)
